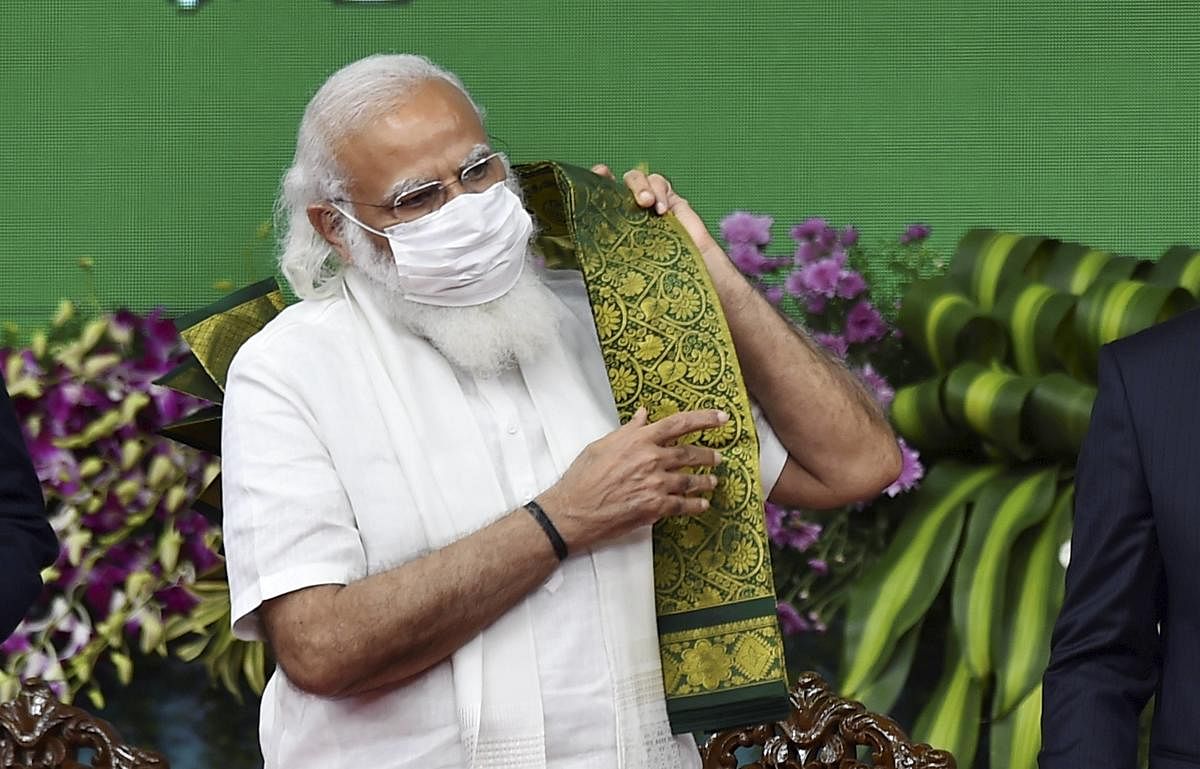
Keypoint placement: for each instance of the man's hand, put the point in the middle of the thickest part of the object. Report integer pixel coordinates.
(632, 477)
(655, 191)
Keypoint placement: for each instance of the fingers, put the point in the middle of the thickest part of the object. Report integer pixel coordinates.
(639, 185)
(639, 419)
(651, 191)
(602, 170)
(676, 426)
(687, 484)
(663, 193)
(686, 506)
(690, 456)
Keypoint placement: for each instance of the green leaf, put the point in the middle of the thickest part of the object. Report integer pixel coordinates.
(951, 720)
(919, 416)
(1017, 738)
(947, 326)
(1003, 509)
(211, 609)
(1111, 311)
(896, 590)
(96, 696)
(124, 666)
(254, 667)
(988, 261)
(1178, 266)
(1074, 268)
(192, 649)
(228, 666)
(1057, 414)
(881, 694)
(1038, 320)
(1034, 596)
(989, 400)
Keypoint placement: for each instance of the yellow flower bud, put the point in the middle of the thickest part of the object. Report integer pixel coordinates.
(38, 343)
(131, 452)
(64, 313)
(90, 466)
(168, 549)
(160, 473)
(126, 490)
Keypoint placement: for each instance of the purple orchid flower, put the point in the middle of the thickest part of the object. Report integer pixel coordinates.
(864, 323)
(915, 233)
(850, 284)
(879, 386)
(790, 621)
(742, 227)
(806, 253)
(750, 259)
(911, 471)
(821, 278)
(176, 600)
(835, 343)
(809, 230)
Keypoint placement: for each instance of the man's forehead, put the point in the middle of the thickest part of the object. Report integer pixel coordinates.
(427, 135)
(448, 163)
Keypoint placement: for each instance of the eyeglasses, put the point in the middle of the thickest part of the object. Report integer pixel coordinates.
(477, 176)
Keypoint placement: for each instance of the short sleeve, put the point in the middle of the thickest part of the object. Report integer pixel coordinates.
(288, 524)
(772, 455)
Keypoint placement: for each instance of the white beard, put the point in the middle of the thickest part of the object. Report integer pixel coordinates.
(483, 340)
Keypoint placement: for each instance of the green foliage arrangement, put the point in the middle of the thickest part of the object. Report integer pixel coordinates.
(1009, 337)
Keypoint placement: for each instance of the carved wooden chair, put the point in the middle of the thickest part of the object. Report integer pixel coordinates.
(824, 731)
(37, 731)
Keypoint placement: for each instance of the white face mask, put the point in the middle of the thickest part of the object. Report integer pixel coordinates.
(469, 251)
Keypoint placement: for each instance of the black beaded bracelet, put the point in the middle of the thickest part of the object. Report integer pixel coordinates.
(539, 515)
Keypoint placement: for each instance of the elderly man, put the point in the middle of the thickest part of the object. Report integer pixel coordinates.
(426, 485)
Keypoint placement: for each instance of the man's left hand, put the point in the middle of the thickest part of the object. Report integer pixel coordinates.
(654, 191)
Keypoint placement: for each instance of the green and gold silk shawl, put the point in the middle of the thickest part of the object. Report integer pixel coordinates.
(667, 347)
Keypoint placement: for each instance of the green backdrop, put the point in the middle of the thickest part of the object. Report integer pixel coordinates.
(151, 139)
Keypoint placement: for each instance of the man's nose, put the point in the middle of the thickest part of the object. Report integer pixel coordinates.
(453, 190)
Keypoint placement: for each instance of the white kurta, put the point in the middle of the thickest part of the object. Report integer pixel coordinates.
(313, 496)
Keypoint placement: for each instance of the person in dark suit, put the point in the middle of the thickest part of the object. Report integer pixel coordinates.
(27, 543)
(1129, 627)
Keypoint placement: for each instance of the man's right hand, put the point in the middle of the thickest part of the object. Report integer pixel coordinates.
(633, 477)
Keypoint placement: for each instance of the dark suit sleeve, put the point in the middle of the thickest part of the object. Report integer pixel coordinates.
(27, 543)
(1104, 661)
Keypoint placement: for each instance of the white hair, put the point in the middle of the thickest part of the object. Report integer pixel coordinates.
(352, 97)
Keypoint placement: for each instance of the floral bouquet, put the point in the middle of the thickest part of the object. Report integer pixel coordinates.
(825, 285)
(119, 498)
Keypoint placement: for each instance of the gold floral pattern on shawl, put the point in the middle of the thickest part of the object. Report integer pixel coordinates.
(667, 347)
(729, 656)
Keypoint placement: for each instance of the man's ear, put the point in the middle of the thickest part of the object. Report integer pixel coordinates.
(329, 223)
